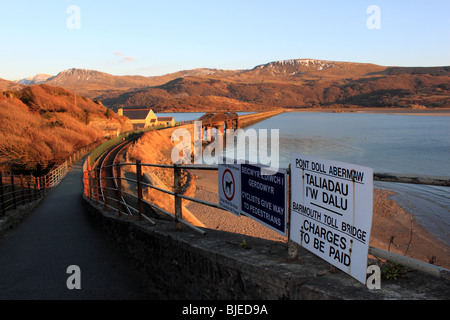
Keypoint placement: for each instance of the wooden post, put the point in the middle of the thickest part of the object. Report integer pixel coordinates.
(293, 248)
(139, 188)
(119, 188)
(177, 190)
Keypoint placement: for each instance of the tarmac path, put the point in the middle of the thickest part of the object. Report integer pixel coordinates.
(34, 258)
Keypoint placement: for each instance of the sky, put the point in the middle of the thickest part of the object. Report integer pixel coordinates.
(150, 38)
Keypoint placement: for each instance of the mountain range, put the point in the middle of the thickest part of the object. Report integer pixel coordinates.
(296, 83)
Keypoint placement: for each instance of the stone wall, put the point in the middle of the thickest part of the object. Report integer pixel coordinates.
(187, 265)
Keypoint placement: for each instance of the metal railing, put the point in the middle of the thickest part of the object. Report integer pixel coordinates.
(95, 192)
(96, 189)
(17, 190)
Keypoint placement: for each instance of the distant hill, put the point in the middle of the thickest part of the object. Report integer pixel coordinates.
(295, 83)
(95, 84)
(10, 85)
(42, 125)
(37, 79)
(313, 69)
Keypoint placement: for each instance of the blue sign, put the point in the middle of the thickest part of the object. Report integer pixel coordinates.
(263, 197)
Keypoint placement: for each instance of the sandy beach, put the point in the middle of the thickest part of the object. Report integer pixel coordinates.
(393, 228)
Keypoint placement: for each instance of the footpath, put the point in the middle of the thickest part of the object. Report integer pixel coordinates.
(34, 258)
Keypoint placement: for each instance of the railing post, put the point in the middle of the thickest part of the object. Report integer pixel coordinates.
(49, 179)
(34, 188)
(38, 186)
(119, 188)
(177, 191)
(139, 188)
(90, 179)
(104, 187)
(85, 182)
(44, 186)
(29, 194)
(13, 191)
(22, 186)
(2, 196)
(97, 185)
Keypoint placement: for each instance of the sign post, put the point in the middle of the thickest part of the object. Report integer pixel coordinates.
(331, 211)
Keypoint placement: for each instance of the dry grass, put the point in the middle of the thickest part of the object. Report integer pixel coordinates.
(155, 148)
(41, 126)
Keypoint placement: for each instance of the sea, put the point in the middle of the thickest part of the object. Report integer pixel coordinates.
(387, 143)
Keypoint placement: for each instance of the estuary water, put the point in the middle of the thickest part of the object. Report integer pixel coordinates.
(388, 143)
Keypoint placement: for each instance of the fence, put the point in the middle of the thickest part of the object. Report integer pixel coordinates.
(96, 189)
(16, 190)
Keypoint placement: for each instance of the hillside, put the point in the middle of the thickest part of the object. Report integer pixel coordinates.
(296, 83)
(10, 85)
(296, 69)
(42, 125)
(95, 84)
(375, 89)
(37, 79)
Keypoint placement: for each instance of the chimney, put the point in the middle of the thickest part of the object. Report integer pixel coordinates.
(120, 112)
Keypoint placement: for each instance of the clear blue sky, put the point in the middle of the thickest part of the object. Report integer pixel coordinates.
(158, 37)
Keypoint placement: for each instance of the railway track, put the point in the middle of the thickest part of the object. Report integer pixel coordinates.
(109, 185)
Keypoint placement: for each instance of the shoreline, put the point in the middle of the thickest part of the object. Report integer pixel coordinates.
(391, 224)
(444, 112)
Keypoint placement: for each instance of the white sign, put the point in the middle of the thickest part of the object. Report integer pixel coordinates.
(331, 211)
(229, 187)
